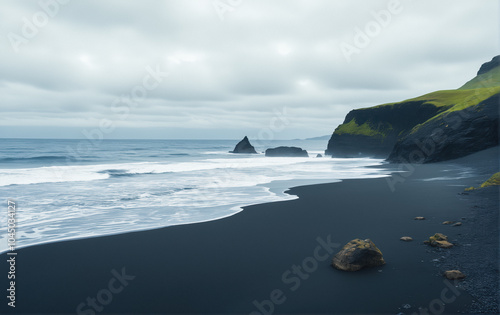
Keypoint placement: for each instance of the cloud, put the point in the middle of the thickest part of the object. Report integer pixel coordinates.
(264, 56)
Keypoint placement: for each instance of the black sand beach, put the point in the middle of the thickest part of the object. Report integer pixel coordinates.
(275, 258)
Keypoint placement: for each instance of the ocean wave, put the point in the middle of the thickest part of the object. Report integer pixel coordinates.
(225, 167)
(38, 158)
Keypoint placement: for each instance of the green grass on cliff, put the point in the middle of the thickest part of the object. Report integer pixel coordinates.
(446, 100)
(488, 79)
(459, 100)
(451, 98)
(353, 128)
(470, 94)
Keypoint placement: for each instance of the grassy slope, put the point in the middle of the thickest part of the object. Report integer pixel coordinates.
(488, 79)
(461, 99)
(470, 94)
(353, 128)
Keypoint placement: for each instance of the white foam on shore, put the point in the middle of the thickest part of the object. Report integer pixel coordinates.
(118, 198)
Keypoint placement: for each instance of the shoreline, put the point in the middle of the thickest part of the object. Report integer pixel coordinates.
(230, 265)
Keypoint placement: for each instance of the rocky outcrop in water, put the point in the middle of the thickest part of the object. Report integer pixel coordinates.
(244, 146)
(286, 152)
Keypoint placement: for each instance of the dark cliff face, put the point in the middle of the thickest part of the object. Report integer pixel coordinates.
(452, 135)
(350, 146)
(438, 126)
(495, 62)
(383, 126)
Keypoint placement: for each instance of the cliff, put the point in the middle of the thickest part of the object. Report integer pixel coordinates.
(457, 122)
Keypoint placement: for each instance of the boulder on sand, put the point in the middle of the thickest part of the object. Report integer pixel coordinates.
(244, 146)
(439, 240)
(358, 254)
(454, 275)
(287, 152)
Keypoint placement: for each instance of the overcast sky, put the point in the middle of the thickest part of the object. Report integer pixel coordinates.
(282, 69)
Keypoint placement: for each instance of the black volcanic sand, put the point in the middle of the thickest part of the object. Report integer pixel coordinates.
(224, 266)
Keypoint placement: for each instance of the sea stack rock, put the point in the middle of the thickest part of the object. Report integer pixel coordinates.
(244, 146)
(358, 254)
(286, 152)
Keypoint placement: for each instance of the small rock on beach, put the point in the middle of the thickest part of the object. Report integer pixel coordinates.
(439, 240)
(454, 275)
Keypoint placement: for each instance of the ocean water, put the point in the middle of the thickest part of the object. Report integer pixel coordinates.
(69, 189)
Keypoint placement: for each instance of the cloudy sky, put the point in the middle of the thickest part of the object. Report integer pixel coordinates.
(222, 69)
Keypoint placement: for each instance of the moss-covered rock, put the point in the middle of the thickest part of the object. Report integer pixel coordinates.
(494, 180)
(358, 254)
(439, 240)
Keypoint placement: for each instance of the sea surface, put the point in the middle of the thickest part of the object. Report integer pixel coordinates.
(69, 189)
